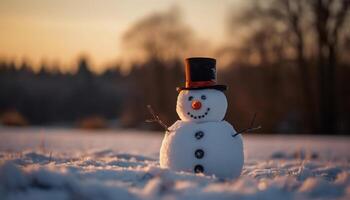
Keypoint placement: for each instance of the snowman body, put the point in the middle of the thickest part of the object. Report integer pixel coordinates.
(202, 142)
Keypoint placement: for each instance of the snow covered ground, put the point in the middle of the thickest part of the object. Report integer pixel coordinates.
(40, 163)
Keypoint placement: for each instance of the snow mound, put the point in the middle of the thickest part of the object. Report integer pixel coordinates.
(109, 171)
(34, 175)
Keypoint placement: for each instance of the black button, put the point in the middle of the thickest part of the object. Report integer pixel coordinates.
(199, 153)
(198, 169)
(199, 135)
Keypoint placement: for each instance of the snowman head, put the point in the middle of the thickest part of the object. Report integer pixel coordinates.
(201, 105)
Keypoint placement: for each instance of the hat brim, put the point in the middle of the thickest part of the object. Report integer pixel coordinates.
(216, 87)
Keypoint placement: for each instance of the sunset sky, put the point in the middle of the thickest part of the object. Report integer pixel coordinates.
(59, 31)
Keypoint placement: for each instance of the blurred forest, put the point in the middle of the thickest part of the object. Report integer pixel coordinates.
(286, 60)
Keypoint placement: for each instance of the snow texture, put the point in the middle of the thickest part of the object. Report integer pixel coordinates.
(73, 164)
(222, 154)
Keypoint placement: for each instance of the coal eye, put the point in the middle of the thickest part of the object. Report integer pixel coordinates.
(190, 98)
(203, 97)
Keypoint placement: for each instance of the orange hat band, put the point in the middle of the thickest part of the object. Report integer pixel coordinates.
(190, 84)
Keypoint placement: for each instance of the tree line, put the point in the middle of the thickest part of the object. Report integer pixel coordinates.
(286, 60)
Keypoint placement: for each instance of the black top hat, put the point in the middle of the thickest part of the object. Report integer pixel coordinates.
(201, 74)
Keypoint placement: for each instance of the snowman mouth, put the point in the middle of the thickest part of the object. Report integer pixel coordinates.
(199, 116)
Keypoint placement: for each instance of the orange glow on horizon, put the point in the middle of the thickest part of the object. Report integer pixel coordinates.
(40, 31)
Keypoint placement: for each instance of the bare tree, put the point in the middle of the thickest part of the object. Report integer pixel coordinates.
(157, 42)
(161, 36)
(302, 20)
(281, 25)
(293, 13)
(329, 19)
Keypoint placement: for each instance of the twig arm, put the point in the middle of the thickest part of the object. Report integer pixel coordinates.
(250, 129)
(156, 118)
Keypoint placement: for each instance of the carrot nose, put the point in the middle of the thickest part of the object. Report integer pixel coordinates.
(196, 105)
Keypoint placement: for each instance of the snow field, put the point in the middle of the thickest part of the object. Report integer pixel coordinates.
(72, 164)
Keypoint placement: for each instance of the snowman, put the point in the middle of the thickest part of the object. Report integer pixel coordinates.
(201, 141)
